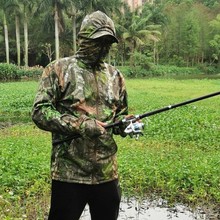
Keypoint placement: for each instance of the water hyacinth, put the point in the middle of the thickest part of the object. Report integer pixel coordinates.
(176, 159)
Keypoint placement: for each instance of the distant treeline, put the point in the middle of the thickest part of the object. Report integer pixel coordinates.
(182, 33)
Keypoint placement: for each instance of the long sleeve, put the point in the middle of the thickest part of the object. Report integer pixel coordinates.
(44, 112)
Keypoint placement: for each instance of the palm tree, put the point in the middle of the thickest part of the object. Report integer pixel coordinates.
(55, 7)
(3, 2)
(139, 32)
(18, 41)
(27, 10)
(73, 11)
(21, 8)
(107, 7)
(13, 7)
(78, 9)
(6, 38)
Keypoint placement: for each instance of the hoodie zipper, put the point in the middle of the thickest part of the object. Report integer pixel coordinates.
(97, 91)
(97, 113)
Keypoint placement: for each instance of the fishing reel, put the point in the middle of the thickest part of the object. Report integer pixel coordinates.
(134, 128)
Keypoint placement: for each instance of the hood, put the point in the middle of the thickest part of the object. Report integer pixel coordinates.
(93, 28)
(96, 25)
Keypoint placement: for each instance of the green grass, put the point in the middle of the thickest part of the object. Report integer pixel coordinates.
(177, 158)
(178, 173)
(16, 100)
(24, 172)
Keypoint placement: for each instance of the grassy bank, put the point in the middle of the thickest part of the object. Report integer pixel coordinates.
(177, 158)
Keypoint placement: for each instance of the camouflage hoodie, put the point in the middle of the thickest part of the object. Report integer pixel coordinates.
(73, 92)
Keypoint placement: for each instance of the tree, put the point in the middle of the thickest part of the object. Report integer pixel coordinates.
(78, 9)
(190, 38)
(139, 32)
(185, 36)
(47, 51)
(73, 12)
(55, 8)
(215, 42)
(6, 37)
(109, 7)
(20, 8)
(3, 3)
(13, 7)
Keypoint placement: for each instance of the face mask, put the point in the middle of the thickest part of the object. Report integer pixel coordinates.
(93, 52)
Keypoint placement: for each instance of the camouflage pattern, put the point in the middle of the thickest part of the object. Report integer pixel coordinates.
(97, 25)
(73, 93)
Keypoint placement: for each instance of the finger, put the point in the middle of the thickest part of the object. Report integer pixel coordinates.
(101, 123)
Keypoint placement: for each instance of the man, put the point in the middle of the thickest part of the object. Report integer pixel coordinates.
(76, 98)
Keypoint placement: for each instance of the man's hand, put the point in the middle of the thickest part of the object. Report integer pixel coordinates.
(101, 123)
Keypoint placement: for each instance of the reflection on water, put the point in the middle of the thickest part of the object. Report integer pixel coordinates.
(132, 209)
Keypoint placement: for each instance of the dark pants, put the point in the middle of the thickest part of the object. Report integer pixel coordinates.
(68, 200)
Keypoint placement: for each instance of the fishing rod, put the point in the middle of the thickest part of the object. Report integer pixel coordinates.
(135, 126)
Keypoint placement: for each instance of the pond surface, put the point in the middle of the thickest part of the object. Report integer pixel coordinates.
(132, 209)
(197, 76)
(187, 76)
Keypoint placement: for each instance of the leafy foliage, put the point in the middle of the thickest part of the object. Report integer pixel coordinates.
(13, 72)
(24, 173)
(16, 100)
(167, 32)
(166, 71)
(8, 71)
(177, 158)
(215, 42)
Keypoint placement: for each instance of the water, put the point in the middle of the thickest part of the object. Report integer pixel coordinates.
(197, 76)
(132, 209)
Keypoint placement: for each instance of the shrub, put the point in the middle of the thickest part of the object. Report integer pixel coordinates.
(8, 71)
(158, 70)
(13, 72)
(208, 69)
(30, 71)
(173, 70)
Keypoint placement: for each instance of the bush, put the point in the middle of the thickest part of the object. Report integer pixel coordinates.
(30, 72)
(208, 69)
(13, 72)
(173, 70)
(125, 70)
(133, 72)
(158, 70)
(8, 71)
